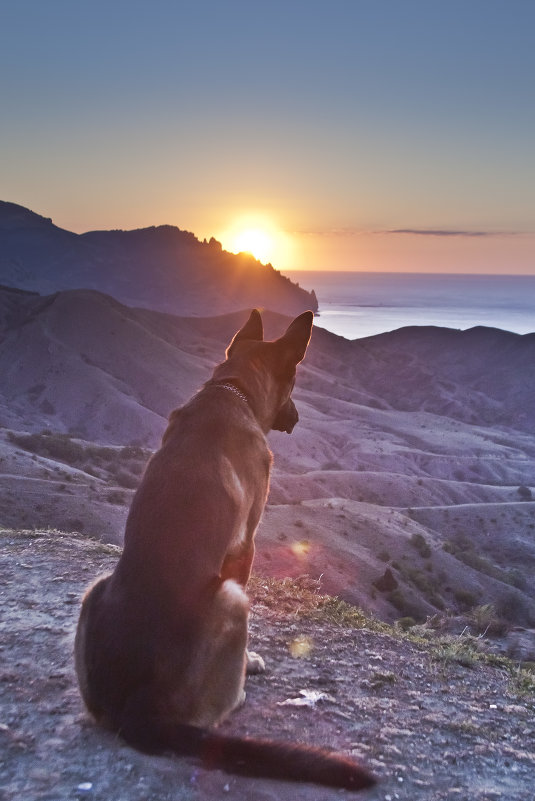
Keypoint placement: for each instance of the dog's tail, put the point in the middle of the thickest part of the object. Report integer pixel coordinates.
(251, 757)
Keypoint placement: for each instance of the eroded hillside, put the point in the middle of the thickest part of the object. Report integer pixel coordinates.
(413, 457)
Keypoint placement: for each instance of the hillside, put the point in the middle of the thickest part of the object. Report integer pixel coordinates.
(435, 717)
(159, 267)
(407, 485)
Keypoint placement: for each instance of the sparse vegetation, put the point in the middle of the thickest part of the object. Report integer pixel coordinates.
(525, 493)
(332, 466)
(462, 550)
(465, 598)
(486, 620)
(121, 465)
(302, 598)
(398, 599)
(461, 650)
(116, 497)
(419, 542)
(405, 623)
(522, 682)
(379, 678)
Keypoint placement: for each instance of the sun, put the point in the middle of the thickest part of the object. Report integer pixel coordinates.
(262, 236)
(257, 241)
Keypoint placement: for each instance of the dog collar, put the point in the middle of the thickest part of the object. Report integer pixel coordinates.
(235, 390)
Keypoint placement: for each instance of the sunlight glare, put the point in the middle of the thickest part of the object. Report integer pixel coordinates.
(259, 235)
(256, 241)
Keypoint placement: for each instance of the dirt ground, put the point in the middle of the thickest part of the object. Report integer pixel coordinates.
(429, 727)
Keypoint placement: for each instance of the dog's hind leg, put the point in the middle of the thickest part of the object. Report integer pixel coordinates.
(221, 660)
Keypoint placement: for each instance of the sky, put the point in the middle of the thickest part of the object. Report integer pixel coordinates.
(391, 135)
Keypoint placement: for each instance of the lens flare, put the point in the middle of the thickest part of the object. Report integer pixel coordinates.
(301, 647)
(301, 548)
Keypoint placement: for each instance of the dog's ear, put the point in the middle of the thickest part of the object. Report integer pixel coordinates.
(295, 341)
(253, 329)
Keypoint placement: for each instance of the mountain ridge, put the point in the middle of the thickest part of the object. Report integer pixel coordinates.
(473, 380)
(159, 267)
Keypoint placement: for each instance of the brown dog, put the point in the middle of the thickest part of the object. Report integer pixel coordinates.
(160, 648)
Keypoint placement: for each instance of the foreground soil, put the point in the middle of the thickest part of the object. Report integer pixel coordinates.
(430, 724)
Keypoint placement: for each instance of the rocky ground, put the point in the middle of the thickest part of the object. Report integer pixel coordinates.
(434, 717)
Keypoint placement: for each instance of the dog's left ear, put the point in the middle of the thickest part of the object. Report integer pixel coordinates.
(295, 340)
(253, 329)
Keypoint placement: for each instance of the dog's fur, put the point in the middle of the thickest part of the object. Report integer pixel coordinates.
(160, 648)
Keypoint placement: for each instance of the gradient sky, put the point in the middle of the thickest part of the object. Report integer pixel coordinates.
(367, 134)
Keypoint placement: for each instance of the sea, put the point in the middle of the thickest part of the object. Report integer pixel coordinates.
(362, 304)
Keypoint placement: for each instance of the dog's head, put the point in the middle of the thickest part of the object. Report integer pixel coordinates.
(265, 371)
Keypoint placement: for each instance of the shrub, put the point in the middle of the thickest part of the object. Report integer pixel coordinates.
(127, 480)
(332, 466)
(54, 446)
(419, 542)
(116, 497)
(465, 598)
(486, 621)
(405, 623)
(421, 581)
(461, 650)
(398, 600)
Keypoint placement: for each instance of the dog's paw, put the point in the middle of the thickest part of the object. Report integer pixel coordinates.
(255, 663)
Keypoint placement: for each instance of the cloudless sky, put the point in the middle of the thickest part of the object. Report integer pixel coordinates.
(366, 134)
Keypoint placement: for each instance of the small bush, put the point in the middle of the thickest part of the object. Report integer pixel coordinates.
(486, 621)
(465, 598)
(405, 623)
(398, 600)
(53, 446)
(116, 497)
(332, 466)
(419, 542)
(127, 480)
(523, 682)
(457, 649)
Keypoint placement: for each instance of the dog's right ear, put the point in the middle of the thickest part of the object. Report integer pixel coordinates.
(253, 329)
(295, 341)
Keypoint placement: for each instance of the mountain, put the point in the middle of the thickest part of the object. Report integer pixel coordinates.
(407, 484)
(61, 355)
(160, 267)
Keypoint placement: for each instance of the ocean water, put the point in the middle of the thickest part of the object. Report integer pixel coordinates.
(356, 305)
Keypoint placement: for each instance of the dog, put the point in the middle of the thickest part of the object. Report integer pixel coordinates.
(161, 644)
